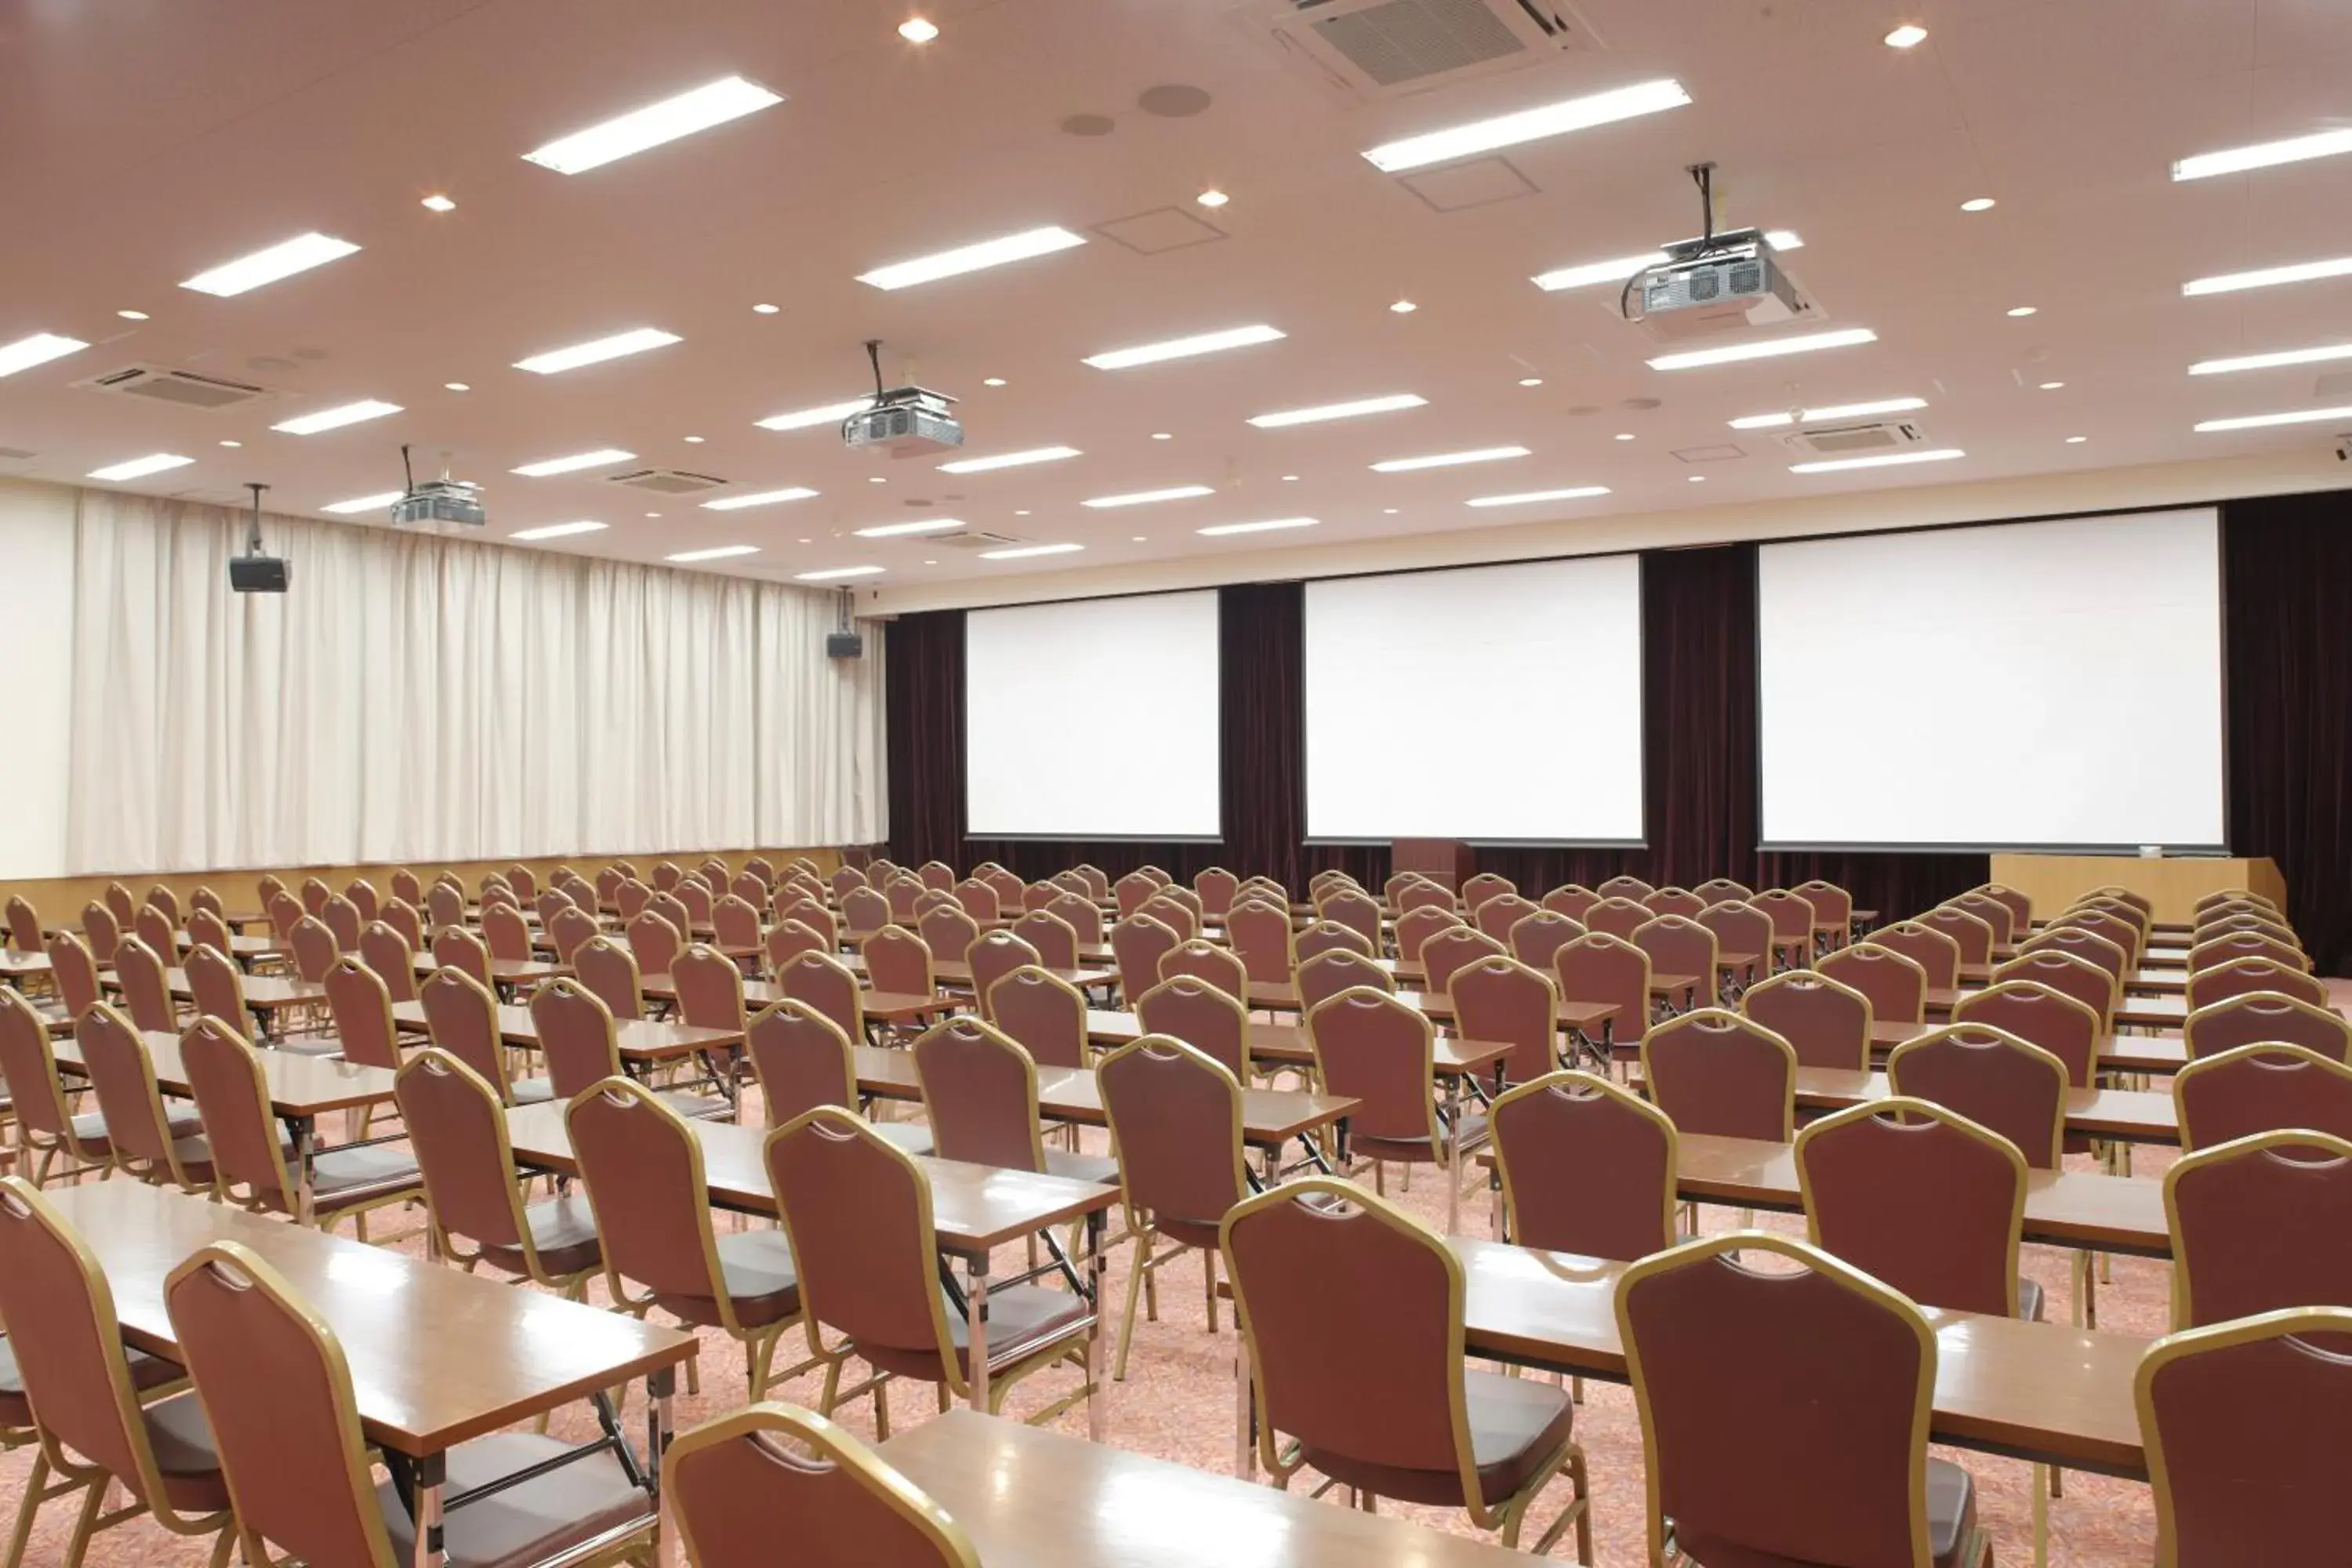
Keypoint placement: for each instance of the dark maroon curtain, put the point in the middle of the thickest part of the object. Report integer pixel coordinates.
(2286, 563)
(2288, 584)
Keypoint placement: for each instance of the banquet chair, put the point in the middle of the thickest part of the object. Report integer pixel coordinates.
(2006, 1085)
(1896, 984)
(1715, 1072)
(461, 1017)
(2257, 1226)
(1585, 1166)
(1327, 974)
(1376, 1049)
(998, 953)
(2255, 1017)
(979, 1095)
(1826, 1021)
(1202, 1015)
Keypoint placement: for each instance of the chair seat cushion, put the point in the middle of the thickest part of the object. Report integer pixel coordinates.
(1416, 1151)
(1516, 1423)
(186, 1454)
(532, 1090)
(1082, 1167)
(756, 1268)
(90, 1131)
(1951, 1526)
(348, 1177)
(146, 1372)
(563, 1230)
(696, 1107)
(1021, 1320)
(530, 1522)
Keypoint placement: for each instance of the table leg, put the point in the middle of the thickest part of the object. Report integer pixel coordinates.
(1451, 1165)
(660, 1386)
(1098, 1394)
(431, 1471)
(976, 1315)
(305, 1138)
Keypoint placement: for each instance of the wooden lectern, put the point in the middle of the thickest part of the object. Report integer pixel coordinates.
(1448, 862)
(2172, 885)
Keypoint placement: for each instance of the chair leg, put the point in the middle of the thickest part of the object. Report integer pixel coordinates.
(831, 1387)
(1580, 1486)
(1209, 1282)
(882, 1411)
(85, 1526)
(28, 1507)
(1135, 1280)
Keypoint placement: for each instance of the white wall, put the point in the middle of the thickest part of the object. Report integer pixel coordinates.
(37, 601)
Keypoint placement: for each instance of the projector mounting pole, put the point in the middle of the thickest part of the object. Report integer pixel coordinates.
(253, 532)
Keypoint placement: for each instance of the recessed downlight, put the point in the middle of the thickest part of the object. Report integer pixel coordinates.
(918, 30)
(441, 203)
(1908, 35)
(1213, 198)
(1978, 205)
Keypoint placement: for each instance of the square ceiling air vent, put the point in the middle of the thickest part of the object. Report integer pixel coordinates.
(666, 481)
(1165, 229)
(1863, 435)
(181, 388)
(1718, 454)
(975, 539)
(1382, 48)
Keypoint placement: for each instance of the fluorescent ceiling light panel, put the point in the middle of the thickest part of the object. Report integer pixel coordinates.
(1592, 272)
(558, 531)
(1448, 460)
(1317, 416)
(837, 573)
(634, 342)
(972, 257)
(829, 414)
(1184, 348)
(336, 418)
(717, 553)
(363, 503)
(1883, 460)
(2258, 421)
(603, 457)
(39, 348)
(1731, 353)
(2262, 155)
(2264, 277)
(1144, 497)
(1024, 552)
(2271, 361)
(1268, 526)
(299, 254)
(1528, 125)
(1835, 411)
(1784, 240)
(760, 498)
(1009, 460)
(714, 103)
(920, 525)
(1579, 492)
(140, 467)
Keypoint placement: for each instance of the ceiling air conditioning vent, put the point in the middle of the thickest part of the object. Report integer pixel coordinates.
(181, 388)
(975, 539)
(1857, 439)
(666, 481)
(1387, 49)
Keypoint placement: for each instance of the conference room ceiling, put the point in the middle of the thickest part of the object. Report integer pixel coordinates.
(155, 139)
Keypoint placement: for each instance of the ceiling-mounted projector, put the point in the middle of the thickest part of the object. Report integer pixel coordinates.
(1717, 283)
(904, 421)
(444, 500)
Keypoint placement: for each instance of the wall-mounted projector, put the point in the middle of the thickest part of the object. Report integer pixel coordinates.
(1717, 283)
(904, 421)
(439, 500)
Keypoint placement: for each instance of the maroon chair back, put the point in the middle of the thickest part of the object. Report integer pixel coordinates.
(1846, 1367)
(29, 1068)
(1970, 933)
(225, 1076)
(24, 925)
(101, 930)
(1571, 898)
(1453, 949)
(608, 969)
(1138, 943)
(1537, 938)
(1206, 961)
(2257, 1226)
(458, 1129)
(752, 888)
(454, 947)
(1353, 908)
(2260, 1018)
(1327, 974)
(1792, 917)
(1896, 984)
(1995, 913)
(2243, 976)
(1418, 924)
(461, 1017)
(2004, 1084)
(116, 1062)
(2240, 1423)
(1724, 890)
(1175, 1118)
(576, 1036)
(445, 904)
(2128, 938)
(1715, 1072)
(709, 988)
(631, 898)
(668, 874)
(1680, 946)
(788, 939)
(1740, 927)
(1600, 968)
(1202, 1015)
(979, 1092)
(826, 983)
(904, 893)
(571, 926)
(1423, 894)
(362, 1005)
(2094, 948)
(1372, 1046)
(1936, 954)
(206, 928)
(1617, 917)
(1498, 914)
(993, 957)
(1328, 936)
(219, 987)
(407, 887)
(1586, 1167)
(1216, 888)
(1174, 913)
(156, 927)
(735, 1476)
(1631, 889)
(669, 907)
(1260, 935)
(138, 974)
(978, 898)
(863, 911)
(1497, 999)
(948, 929)
(551, 902)
(1056, 943)
(404, 919)
(803, 1060)
(1012, 893)
(2066, 1028)
(1132, 891)
(1832, 904)
(1674, 902)
(2070, 973)
(1827, 1022)
(505, 934)
(896, 960)
(2261, 923)
(642, 1169)
(1919, 1198)
(937, 874)
(654, 941)
(1045, 1012)
(1084, 915)
(1482, 886)
(523, 880)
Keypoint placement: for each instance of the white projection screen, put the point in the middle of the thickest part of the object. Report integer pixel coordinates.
(2025, 686)
(1093, 719)
(1501, 704)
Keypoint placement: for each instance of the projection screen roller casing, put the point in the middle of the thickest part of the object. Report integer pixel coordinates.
(1093, 719)
(1501, 704)
(2022, 686)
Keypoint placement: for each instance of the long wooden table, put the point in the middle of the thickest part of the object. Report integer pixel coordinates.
(436, 1356)
(265, 996)
(880, 1007)
(975, 1209)
(2131, 1116)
